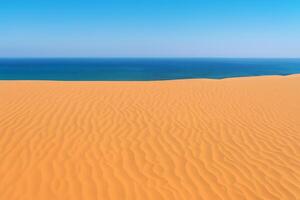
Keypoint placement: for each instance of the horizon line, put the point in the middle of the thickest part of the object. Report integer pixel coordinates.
(142, 57)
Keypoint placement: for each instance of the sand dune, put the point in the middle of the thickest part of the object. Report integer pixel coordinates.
(185, 139)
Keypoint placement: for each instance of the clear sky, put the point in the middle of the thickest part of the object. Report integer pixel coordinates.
(150, 28)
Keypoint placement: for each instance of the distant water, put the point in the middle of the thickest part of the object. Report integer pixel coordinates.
(142, 69)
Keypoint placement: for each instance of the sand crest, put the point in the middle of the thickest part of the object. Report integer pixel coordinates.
(186, 139)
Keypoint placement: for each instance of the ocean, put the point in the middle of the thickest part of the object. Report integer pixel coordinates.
(141, 69)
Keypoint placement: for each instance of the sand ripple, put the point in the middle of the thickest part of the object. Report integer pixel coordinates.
(186, 139)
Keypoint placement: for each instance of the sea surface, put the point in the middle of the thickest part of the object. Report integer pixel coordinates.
(141, 69)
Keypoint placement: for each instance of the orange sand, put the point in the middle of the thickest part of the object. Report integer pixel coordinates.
(185, 139)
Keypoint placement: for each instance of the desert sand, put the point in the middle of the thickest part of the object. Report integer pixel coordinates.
(225, 139)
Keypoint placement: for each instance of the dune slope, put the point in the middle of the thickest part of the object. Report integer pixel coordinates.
(185, 139)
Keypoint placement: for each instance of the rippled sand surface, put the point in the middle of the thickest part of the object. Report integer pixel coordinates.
(185, 139)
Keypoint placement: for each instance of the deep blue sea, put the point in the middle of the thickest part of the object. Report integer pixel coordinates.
(141, 69)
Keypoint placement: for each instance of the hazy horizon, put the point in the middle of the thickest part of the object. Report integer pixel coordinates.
(150, 29)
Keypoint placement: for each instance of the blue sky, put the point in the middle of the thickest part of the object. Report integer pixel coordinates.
(152, 28)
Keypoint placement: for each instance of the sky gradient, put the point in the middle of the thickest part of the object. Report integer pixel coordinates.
(152, 28)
